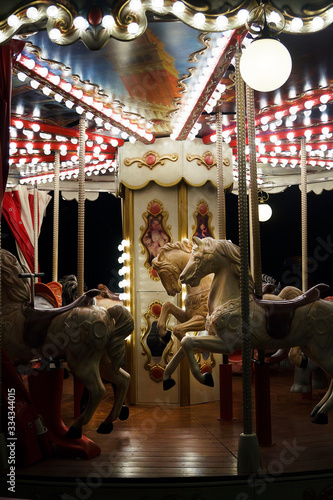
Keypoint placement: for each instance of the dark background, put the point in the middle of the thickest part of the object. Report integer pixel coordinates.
(103, 234)
(280, 238)
(281, 242)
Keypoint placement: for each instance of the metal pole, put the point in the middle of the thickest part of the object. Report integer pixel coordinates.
(261, 369)
(254, 211)
(248, 449)
(36, 231)
(225, 373)
(81, 201)
(220, 181)
(56, 217)
(304, 216)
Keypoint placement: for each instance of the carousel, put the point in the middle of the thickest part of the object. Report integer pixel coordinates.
(166, 249)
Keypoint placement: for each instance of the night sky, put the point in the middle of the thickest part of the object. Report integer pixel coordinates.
(280, 238)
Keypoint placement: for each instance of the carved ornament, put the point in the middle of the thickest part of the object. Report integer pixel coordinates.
(207, 159)
(150, 159)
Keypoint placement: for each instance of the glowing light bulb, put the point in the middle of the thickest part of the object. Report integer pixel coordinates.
(133, 28)
(178, 7)
(108, 22)
(55, 34)
(13, 21)
(32, 13)
(52, 11)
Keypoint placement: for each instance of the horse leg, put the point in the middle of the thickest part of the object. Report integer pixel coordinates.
(195, 324)
(208, 343)
(168, 381)
(89, 376)
(121, 380)
(319, 412)
(169, 308)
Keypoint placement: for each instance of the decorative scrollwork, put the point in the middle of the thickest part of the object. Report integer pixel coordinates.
(207, 159)
(150, 159)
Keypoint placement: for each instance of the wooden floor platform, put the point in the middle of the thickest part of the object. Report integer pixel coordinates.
(189, 450)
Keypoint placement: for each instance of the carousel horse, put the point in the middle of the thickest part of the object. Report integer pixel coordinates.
(90, 338)
(69, 284)
(169, 263)
(105, 299)
(305, 321)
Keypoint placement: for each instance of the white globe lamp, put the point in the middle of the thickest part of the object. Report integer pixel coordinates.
(265, 65)
(265, 212)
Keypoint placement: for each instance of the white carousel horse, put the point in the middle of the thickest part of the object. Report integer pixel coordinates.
(169, 263)
(305, 321)
(90, 338)
(106, 299)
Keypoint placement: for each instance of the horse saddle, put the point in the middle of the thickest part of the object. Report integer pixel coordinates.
(279, 313)
(38, 320)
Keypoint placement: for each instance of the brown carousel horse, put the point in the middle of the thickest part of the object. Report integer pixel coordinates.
(306, 321)
(169, 263)
(90, 338)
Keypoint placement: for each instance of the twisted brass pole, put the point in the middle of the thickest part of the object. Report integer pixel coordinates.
(81, 201)
(56, 217)
(254, 211)
(243, 243)
(248, 448)
(220, 181)
(35, 231)
(304, 222)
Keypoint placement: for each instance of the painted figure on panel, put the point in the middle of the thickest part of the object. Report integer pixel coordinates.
(155, 236)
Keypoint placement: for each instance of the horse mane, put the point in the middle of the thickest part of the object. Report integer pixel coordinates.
(70, 288)
(232, 252)
(17, 289)
(185, 246)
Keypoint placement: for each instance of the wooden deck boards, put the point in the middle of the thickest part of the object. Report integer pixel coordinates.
(192, 442)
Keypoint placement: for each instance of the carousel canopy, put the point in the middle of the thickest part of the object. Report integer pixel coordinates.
(139, 70)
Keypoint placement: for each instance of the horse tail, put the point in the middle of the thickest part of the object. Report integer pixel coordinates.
(124, 325)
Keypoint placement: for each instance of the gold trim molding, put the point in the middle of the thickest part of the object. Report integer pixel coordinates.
(150, 159)
(207, 159)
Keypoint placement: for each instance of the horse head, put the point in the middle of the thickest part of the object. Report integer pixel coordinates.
(14, 289)
(199, 263)
(169, 263)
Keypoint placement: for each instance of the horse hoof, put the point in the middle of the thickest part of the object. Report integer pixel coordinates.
(74, 433)
(168, 384)
(314, 411)
(124, 413)
(105, 428)
(208, 380)
(320, 418)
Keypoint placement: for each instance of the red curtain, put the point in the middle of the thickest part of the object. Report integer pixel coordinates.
(8, 55)
(18, 210)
